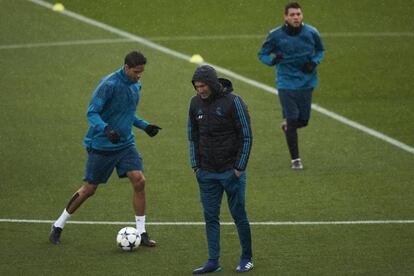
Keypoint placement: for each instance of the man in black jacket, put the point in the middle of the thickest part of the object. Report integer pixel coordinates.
(220, 142)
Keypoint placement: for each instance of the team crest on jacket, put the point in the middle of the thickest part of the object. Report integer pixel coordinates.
(200, 114)
(219, 111)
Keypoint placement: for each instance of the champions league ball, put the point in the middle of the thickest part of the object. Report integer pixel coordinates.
(128, 239)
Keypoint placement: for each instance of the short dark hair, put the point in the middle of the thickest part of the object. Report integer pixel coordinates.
(292, 5)
(135, 58)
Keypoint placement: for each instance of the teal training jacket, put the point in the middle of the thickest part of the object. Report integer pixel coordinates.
(114, 102)
(296, 50)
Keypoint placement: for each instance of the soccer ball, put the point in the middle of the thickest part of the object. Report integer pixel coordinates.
(128, 239)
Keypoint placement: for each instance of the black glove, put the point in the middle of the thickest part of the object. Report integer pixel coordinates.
(152, 130)
(277, 59)
(308, 67)
(112, 135)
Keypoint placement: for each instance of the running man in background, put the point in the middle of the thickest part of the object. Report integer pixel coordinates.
(296, 49)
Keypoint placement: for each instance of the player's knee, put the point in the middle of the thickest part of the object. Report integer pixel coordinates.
(138, 182)
(211, 217)
(292, 124)
(302, 123)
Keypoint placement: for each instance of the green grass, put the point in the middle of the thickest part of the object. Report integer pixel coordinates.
(291, 250)
(349, 175)
(367, 79)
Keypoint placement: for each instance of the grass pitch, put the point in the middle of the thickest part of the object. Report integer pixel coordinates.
(349, 175)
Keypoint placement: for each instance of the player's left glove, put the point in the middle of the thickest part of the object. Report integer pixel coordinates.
(152, 130)
(308, 67)
(277, 59)
(112, 135)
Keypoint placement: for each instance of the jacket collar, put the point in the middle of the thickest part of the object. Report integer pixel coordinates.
(124, 78)
(292, 31)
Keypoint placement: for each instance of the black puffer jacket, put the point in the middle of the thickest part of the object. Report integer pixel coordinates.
(219, 126)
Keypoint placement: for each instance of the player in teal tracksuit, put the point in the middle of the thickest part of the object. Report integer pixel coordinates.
(110, 142)
(118, 112)
(295, 49)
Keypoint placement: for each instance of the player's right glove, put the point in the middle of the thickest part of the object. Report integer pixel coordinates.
(308, 67)
(112, 135)
(152, 130)
(277, 59)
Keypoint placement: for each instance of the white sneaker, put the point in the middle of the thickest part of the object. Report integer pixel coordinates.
(297, 164)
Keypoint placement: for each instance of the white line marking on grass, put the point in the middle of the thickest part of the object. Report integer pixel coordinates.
(263, 36)
(370, 34)
(184, 223)
(173, 38)
(229, 73)
(205, 37)
(65, 43)
(363, 128)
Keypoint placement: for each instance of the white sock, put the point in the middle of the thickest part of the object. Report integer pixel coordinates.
(61, 221)
(140, 220)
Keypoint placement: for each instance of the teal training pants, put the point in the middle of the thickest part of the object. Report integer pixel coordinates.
(212, 186)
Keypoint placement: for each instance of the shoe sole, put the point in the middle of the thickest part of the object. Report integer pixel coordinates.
(149, 245)
(218, 269)
(244, 270)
